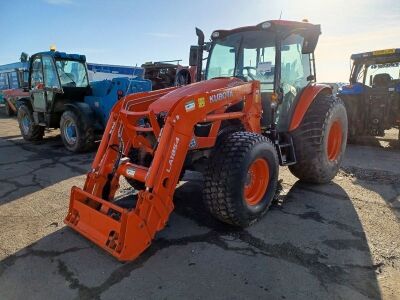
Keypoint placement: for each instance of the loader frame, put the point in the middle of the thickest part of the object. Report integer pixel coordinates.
(126, 232)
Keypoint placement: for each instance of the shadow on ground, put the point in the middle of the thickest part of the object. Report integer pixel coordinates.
(27, 167)
(375, 169)
(310, 245)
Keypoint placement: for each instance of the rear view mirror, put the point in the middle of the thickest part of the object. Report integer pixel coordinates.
(193, 56)
(311, 39)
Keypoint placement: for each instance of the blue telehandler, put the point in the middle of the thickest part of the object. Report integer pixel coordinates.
(60, 96)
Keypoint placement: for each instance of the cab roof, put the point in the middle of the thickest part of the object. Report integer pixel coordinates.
(385, 55)
(63, 55)
(275, 25)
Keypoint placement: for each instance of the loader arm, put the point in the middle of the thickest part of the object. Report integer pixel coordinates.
(126, 231)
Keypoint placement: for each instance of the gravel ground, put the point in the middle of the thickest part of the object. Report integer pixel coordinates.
(333, 241)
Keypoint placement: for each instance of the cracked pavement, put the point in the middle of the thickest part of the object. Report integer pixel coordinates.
(334, 241)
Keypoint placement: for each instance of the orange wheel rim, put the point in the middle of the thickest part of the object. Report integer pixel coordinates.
(256, 181)
(334, 141)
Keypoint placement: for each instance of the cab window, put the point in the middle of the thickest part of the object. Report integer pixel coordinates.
(13, 80)
(3, 81)
(50, 74)
(37, 75)
(295, 66)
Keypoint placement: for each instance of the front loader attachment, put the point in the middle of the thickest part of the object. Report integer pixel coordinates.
(117, 230)
(125, 227)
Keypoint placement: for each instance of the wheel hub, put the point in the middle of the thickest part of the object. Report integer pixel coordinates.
(257, 180)
(70, 132)
(334, 144)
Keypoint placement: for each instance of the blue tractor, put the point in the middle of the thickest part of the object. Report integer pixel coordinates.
(372, 98)
(60, 96)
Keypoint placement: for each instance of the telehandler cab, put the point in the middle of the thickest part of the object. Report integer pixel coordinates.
(257, 108)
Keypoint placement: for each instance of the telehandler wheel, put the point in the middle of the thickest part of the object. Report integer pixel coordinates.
(76, 134)
(241, 178)
(320, 140)
(9, 111)
(29, 131)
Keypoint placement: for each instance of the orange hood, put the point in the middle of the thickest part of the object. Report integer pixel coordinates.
(165, 103)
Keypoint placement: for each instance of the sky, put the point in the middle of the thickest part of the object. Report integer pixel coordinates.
(134, 32)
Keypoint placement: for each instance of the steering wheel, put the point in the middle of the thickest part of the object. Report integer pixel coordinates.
(249, 73)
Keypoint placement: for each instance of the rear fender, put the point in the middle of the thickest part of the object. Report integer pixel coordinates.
(307, 97)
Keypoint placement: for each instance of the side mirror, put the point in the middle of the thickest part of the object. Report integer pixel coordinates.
(311, 39)
(200, 37)
(193, 55)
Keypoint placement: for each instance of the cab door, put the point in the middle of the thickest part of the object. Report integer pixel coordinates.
(38, 93)
(51, 81)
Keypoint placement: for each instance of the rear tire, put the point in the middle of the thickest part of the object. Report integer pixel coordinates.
(320, 140)
(29, 131)
(241, 178)
(76, 134)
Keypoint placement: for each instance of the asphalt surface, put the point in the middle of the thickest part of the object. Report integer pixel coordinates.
(333, 241)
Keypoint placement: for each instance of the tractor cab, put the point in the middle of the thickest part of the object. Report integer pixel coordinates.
(373, 96)
(56, 79)
(279, 54)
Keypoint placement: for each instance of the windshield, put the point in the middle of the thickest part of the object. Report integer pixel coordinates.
(382, 74)
(249, 55)
(72, 73)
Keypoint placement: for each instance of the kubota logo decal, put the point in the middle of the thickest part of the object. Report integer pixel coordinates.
(221, 96)
(173, 154)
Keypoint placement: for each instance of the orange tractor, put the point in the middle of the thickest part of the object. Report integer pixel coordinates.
(255, 107)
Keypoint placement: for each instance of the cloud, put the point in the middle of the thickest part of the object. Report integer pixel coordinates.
(162, 34)
(59, 2)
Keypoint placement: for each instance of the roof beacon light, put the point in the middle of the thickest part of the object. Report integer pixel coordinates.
(215, 34)
(265, 25)
(53, 48)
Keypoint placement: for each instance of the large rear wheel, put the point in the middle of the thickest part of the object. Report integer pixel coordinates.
(320, 140)
(241, 178)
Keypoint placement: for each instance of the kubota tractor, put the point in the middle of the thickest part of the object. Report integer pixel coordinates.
(257, 108)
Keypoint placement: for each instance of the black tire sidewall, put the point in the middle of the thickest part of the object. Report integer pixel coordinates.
(23, 110)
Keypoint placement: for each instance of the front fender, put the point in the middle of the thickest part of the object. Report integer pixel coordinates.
(83, 110)
(307, 97)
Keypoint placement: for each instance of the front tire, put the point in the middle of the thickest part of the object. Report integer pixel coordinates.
(320, 140)
(241, 178)
(76, 134)
(29, 131)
